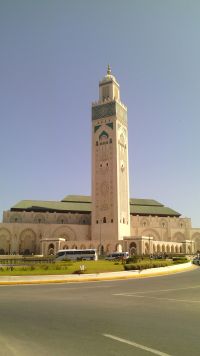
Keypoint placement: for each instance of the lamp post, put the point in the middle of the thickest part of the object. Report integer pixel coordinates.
(149, 245)
(100, 238)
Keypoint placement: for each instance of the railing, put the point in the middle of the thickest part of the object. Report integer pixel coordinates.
(12, 260)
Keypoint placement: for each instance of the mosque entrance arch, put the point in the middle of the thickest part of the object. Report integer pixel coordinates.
(132, 249)
(51, 249)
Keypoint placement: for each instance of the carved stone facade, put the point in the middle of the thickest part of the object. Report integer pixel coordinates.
(110, 221)
(53, 231)
(110, 175)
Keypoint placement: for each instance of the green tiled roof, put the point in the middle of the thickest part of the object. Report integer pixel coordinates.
(146, 202)
(152, 210)
(82, 203)
(57, 206)
(78, 198)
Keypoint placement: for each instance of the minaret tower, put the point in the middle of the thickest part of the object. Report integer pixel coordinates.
(110, 173)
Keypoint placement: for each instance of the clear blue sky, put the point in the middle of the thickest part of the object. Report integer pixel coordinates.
(53, 54)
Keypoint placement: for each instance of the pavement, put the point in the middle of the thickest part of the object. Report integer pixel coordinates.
(71, 278)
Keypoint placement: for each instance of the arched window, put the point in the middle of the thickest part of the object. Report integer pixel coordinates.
(51, 249)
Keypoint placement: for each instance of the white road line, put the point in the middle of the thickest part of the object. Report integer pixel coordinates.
(169, 299)
(161, 290)
(138, 346)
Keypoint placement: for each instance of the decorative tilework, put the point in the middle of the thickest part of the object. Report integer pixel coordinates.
(104, 133)
(103, 110)
(96, 127)
(110, 124)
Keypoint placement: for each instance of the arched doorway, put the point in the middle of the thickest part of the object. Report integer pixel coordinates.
(108, 248)
(101, 250)
(27, 242)
(147, 248)
(132, 249)
(5, 241)
(118, 248)
(51, 249)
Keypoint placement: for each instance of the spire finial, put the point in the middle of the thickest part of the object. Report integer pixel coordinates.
(108, 70)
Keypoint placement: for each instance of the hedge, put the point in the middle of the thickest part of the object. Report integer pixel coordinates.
(147, 264)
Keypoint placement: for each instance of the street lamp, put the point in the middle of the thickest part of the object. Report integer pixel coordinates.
(100, 238)
(149, 244)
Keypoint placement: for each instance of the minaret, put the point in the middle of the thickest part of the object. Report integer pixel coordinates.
(110, 173)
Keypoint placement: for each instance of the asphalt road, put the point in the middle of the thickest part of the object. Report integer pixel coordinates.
(151, 316)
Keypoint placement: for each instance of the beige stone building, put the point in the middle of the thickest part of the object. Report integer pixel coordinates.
(108, 220)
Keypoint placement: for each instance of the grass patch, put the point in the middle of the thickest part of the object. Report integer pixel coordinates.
(70, 267)
(61, 268)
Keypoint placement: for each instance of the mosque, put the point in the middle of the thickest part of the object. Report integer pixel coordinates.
(108, 220)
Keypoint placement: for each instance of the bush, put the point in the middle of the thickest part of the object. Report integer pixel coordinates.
(45, 267)
(177, 260)
(132, 259)
(58, 267)
(10, 268)
(146, 264)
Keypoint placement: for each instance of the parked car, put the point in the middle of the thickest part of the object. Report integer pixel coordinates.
(196, 260)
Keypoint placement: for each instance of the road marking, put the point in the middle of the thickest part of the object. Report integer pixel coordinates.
(161, 290)
(169, 299)
(139, 346)
(6, 344)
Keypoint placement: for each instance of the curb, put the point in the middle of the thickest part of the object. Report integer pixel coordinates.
(99, 277)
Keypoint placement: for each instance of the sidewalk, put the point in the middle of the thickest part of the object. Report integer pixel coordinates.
(69, 278)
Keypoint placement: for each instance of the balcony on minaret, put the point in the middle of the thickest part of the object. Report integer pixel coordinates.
(109, 88)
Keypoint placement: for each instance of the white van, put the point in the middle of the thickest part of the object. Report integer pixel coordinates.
(117, 256)
(76, 255)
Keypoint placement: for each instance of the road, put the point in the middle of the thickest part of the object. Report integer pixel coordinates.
(151, 316)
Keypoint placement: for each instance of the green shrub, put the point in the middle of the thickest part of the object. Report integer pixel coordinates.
(132, 259)
(146, 264)
(45, 267)
(58, 267)
(10, 268)
(179, 260)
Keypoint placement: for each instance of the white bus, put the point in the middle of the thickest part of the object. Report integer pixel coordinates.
(117, 256)
(76, 255)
